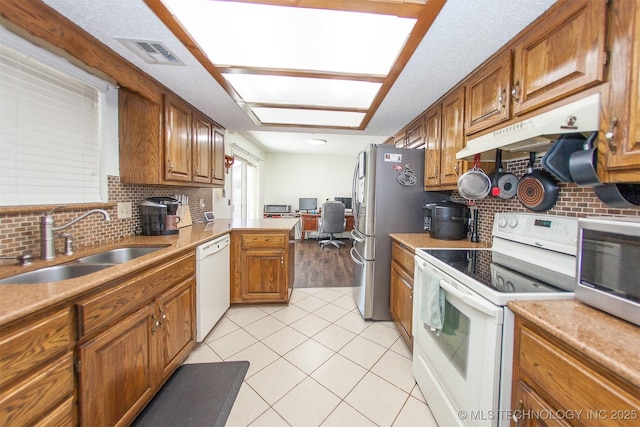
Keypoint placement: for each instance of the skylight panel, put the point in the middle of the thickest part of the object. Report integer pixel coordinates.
(303, 91)
(289, 116)
(293, 38)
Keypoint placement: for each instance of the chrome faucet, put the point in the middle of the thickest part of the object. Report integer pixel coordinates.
(48, 227)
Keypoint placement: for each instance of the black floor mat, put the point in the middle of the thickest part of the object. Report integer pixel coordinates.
(200, 394)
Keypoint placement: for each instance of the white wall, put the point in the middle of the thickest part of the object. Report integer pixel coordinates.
(286, 177)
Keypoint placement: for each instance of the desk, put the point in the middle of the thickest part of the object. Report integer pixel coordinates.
(310, 223)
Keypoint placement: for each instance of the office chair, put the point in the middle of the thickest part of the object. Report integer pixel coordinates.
(332, 221)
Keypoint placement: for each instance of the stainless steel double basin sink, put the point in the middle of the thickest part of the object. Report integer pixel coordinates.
(82, 266)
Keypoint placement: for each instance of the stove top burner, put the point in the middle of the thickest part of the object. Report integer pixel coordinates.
(478, 264)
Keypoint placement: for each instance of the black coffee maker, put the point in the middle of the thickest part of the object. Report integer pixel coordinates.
(158, 216)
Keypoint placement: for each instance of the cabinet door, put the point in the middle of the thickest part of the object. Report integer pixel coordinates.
(621, 153)
(117, 370)
(140, 124)
(202, 148)
(527, 401)
(263, 275)
(563, 55)
(177, 140)
(401, 298)
(177, 310)
(218, 157)
(432, 139)
(488, 94)
(452, 138)
(415, 134)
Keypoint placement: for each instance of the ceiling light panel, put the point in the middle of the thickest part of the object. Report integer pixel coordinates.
(293, 38)
(254, 88)
(301, 117)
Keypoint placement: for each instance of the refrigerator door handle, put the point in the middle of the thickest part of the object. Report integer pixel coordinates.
(354, 258)
(357, 236)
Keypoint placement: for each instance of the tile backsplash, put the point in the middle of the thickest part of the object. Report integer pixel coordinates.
(20, 231)
(573, 201)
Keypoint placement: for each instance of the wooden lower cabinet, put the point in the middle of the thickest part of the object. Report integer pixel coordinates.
(37, 385)
(401, 293)
(549, 377)
(262, 266)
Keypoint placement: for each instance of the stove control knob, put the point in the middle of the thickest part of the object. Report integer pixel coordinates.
(502, 222)
(509, 287)
(513, 223)
(499, 282)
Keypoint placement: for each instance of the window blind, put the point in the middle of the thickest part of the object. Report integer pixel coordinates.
(51, 133)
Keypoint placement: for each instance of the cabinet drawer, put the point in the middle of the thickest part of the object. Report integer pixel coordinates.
(101, 309)
(23, 349)
(572, 382)
(63, 415)
(33, 398)
(403, 256)
(262, 240)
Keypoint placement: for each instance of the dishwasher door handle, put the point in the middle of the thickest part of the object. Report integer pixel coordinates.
(214, 247)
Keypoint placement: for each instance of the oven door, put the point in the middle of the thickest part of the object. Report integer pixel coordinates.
(457, 368)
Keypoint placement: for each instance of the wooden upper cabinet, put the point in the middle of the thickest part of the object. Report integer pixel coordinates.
(202, 148)
(217, 176)
(562, 55)
(415, 134)
(432, 140)
(177, 139)
(452, 138)
(488, 94)
(619, 148)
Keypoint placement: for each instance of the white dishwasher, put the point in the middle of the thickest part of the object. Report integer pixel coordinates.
(212, 284)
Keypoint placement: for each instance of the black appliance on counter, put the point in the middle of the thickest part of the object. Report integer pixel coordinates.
(446, 220)
(158, 216)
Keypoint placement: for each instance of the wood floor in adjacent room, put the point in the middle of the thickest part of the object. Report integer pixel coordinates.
(322, 268)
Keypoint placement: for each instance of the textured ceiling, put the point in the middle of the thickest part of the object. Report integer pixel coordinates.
(465, 33)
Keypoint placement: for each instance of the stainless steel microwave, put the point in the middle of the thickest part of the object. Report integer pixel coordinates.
(608, 265)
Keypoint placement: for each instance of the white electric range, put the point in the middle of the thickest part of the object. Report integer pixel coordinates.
(463, 365)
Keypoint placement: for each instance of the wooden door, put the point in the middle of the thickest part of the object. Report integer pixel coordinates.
(452, 138)
(415, 134)
(202, 146)
(218, 157)
(619, 149)
(563, 55)
(526, 401)
(176, 312)
(401, 298)
(117, 374)
(177, 140)
(263, 275)
(432, 141)
(489, 94)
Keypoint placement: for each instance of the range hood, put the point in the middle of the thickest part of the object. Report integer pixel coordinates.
(536, 133)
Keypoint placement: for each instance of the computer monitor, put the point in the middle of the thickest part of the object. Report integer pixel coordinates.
(345, 200)
(307, 203)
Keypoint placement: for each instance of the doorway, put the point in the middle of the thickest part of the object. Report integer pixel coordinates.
(244, 189)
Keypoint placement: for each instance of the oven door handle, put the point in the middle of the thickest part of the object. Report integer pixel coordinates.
(472, 301)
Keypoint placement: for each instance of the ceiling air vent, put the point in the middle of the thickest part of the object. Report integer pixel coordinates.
(153, 52)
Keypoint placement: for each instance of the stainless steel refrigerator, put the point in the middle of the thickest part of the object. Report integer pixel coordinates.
(388, 197)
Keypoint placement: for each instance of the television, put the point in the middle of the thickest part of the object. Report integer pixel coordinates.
(307, 203)
(345, 200)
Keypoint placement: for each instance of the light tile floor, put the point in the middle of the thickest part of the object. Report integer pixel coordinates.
(316, 362)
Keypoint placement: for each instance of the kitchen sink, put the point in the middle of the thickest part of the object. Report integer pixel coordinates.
(119, 255)
(55, 273)
(82, 266)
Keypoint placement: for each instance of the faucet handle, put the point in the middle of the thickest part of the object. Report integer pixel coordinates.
(55, 209)
(25, 258)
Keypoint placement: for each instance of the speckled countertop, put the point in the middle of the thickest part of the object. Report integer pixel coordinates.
(423, 240)
(19, 300)
(607, 340)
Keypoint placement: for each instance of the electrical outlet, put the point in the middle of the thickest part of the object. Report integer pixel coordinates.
(201, 203)
(124, 210)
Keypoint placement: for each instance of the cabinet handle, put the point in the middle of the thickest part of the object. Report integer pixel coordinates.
(155, 325)
(517, 414)
(610, 135)
(196, 170)
(515, 93)
(281, 260)
(170, 165)
(501, 93)
(163, 316)
(456, 167)
(435, 172)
